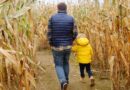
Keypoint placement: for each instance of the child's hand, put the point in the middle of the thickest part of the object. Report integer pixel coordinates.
(74, 43)
(74, 54)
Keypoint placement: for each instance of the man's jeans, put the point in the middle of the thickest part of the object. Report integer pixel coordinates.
(61, 60)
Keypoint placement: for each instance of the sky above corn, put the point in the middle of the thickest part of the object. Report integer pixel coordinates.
(57, 1)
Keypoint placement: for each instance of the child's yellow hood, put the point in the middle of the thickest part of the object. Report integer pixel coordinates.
(82, 41)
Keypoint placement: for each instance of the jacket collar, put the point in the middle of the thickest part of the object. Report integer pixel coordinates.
(62, 11)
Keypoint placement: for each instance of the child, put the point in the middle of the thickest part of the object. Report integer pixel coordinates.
(83, 52)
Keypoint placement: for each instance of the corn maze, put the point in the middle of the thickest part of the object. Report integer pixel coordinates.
(23, 32)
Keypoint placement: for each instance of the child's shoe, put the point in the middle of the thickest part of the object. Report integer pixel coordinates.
(82, 80)
(92, 82)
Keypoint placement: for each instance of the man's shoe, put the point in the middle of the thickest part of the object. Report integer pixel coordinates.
(67, 81)
(64, 86)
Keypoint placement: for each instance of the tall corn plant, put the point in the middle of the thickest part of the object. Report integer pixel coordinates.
(18, 43)
(108, 32)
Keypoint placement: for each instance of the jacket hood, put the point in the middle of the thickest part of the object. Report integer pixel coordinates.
(82, 41)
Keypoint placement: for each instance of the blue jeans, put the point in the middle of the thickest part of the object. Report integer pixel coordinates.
(61, 60)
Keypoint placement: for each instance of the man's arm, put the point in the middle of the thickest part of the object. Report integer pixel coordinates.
(49, 33)
(75, 32)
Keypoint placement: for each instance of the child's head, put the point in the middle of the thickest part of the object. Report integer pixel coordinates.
(82, 39)
(81, 35)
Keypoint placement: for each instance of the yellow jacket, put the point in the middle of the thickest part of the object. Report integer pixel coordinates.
(83, 50)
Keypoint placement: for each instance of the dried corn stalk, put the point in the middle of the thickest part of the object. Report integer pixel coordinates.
(108, 31)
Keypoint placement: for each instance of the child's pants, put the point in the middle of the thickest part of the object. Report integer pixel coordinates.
(88, 69)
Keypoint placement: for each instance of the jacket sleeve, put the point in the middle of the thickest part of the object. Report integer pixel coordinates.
(75, 32)
(49, 33)
(74, 48)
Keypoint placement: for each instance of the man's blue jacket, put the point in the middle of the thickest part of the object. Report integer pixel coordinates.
(61, 29)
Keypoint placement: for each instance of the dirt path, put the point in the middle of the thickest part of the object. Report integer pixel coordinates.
(48, 80)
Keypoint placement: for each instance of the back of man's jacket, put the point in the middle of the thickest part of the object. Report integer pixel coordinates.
(62, 29)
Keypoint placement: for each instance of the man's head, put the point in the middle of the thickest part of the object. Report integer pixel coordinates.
(62, 7)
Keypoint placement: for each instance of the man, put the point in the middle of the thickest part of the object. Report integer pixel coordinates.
(62, 31)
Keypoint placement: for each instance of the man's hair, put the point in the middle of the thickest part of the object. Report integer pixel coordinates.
(62, 6)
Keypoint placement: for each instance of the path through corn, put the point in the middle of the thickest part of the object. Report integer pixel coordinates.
(48, 80)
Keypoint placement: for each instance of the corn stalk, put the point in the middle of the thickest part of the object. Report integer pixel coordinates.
(17, 46)
(109, 33)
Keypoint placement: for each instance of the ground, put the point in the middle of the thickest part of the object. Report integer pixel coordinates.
(48, 80)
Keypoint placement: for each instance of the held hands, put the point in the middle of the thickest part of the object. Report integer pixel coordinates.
(74, 42)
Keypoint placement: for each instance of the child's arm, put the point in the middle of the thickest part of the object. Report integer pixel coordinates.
(74, 48)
